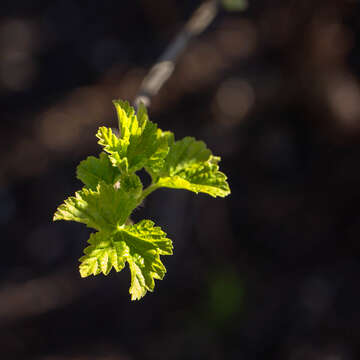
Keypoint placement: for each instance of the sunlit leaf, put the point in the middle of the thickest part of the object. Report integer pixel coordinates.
(139, 245)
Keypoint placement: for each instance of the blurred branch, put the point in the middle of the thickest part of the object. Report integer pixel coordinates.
(165, 65)
(38, 296)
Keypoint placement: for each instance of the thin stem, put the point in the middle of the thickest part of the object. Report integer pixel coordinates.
(147, 192)
(165, 65)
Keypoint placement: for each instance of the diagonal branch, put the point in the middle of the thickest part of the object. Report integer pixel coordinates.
(165, 65)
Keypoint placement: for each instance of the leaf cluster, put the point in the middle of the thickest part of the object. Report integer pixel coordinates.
(112, 190)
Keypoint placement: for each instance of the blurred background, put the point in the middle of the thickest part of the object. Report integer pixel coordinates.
(270, 272)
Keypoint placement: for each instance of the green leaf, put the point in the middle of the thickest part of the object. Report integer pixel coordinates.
(189, 165)
(115, 147)
(203, 178)
(106, 208)
(131, 184)
(94, 170)
(184, 153)
(113, 190)
(102, 255)
(139, 142)
(157, 162)
(139, 245)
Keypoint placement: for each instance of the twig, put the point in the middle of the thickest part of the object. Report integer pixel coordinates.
(165, 65)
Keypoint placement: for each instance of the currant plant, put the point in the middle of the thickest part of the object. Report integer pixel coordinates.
(112, 190)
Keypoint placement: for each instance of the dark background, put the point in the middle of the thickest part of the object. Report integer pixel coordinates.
(270, 272)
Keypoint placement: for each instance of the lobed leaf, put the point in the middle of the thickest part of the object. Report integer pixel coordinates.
(106, 208)
(189, 165)
(204, 178)
(102, 255)
(115, 147)
(139, 245)
(140, 140)
(113, 190)
(94, 170)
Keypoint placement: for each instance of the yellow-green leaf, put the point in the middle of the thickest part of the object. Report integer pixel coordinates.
(139, 245)
(106, 208)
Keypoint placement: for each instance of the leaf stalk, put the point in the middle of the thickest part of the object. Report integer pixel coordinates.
(147, 191)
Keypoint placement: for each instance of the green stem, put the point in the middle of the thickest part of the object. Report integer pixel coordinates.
(147, 192)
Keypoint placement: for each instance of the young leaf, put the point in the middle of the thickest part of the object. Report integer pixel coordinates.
(139, 141)
(94, 170)
(102, 255)
(115, 147)
(113, 190)
(140, 245)
(157, 161)
(106, 208)
(202, 177)
(189, 165)
(131, 184)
